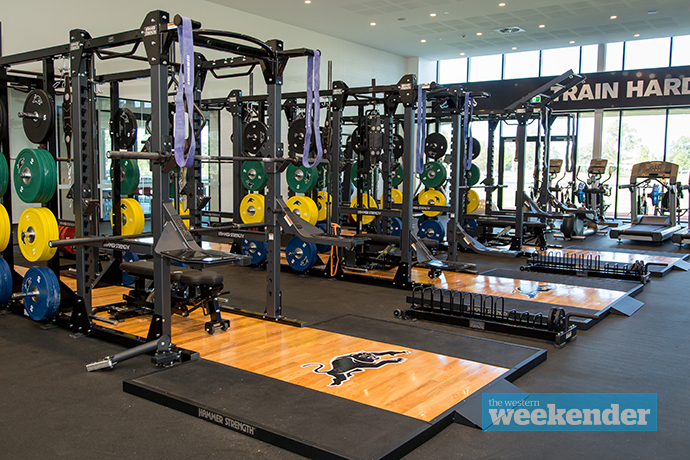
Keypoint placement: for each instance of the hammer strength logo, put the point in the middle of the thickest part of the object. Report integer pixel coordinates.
(342, 367)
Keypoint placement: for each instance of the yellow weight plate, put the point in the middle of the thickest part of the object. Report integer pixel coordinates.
(5, 228)
(473, 203)
(432, 197)
(182, 211)
(324, 200)
(304, 207)
(252, 209)
(36, 228)
(397, 197)
(132, 217)
(369, 203)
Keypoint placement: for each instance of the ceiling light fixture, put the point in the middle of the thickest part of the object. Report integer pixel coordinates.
(462, 54)
(372, 23)
(307, 1)
(636, 35)
(423, 41)
(514, 47)
(479, 33)
(614, 17)
(433, 15)
(572, 41)
(541, 26)
(501, 4)
(651, 12)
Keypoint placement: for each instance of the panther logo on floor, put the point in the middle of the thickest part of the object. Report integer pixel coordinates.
(342, 367)
(532, 293)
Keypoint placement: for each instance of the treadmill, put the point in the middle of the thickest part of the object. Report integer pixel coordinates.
(650, 228)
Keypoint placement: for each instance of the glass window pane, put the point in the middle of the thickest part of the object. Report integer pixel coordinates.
(590, 54)
(453, 71)
(560, 60)
(620, 201)
(681, 56)
(647, 54)
(614, 57)
(486, 68)
(521, 65)
(678, 147)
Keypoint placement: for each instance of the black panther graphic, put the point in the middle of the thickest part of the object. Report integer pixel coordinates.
(342, 367)
(533, 292)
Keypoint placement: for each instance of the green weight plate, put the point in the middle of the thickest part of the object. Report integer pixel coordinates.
(4, 175)
(371, 177)
(35, 176)
(52, 182)
(323, 176)
(434, 174)
(397, 175)
(253, 175)
(301, 179)
(129, 176)
(475, 174)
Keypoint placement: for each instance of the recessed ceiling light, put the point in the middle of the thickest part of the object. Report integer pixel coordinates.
(501, 4)
(651, 12)
(372, 23)
(446, 12)
(307, 1)
(423, 41)
(572, 41)
(636, 35)
(514, 47)
(462, 54)
(614, 17)
(479, 33)
(433, 15)
(541, 26)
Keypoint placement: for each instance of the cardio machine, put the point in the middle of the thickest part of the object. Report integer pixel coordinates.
(645, 227)
(577, 223)
(591, 192)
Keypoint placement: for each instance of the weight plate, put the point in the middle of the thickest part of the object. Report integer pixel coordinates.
(435, 146)
(44, 301)
(128, 279)
(5, 282)
(304, 207)
(324, 178)
(5, 228)
(256, 250)
(254, 136)
(397, 175)
(301, 179)
(432, 229)
(476, 148)
(396, 196)
(252, 209)
(473, 203)
(123, 128)
(395, 227)
(550, 319)
(434, 174)
(358, 140)
(182, 211)
(368, 180)
(323, 248)
(67, 233)
(296, 134)
(253, 175)
(35, 176)
(475, 174)
(323, 199)
(4, 174)
(432, 197)
(300, 255)
(132, 217)
(38, 126)
(368, 202)
(398, 146)
(129, 176)
(37, 227)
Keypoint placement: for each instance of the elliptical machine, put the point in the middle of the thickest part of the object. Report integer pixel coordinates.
(577, 223)
(590, 192)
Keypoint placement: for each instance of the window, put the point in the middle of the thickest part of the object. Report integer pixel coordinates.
(614, 57)
(647, 54)
(680, 55)
(559, 60)
(453, 71)
(620, 199)
(486, 68)
(521, 65)
(589, 59)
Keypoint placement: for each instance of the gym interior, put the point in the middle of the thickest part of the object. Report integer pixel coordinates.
(288, 229)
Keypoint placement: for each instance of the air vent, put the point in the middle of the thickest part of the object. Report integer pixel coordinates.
(509, 30)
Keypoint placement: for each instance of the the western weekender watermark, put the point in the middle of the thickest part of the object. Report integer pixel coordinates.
(569, 411)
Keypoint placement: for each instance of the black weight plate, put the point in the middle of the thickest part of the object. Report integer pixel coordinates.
(38, 129)
(3, 120)
(435, 146)
(296, 134)
(123, 127)
(359, 140)
(476, 148)
(67, 118)
(254, 136)
(398, 147)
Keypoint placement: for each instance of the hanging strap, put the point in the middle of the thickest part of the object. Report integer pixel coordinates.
(313, 103)
(185, 89)
(467, 114)
(421, 128)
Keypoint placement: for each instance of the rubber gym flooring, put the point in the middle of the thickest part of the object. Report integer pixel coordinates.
(51, 407)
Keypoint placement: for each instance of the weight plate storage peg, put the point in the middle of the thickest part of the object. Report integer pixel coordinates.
(256, 250)
(35, 176)
(252, 209)
(435, 146)
(5, 282)
(123, 128)
(368, 202)
(4, 174)
(128, 279)
(42, 293)
(36, 228)
(473, 201)
(132, 217)
(434, 174)
(304, 207)
(322, 203)
(432, 197)
(5, 228)
(38, 116)
(129, 176)
(253, 175)
(255, 134)
(432, 229)
(300, 256)
(301, 179)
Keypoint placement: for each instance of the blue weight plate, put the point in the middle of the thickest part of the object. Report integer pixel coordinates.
(396, 226)
(256, 250)
(432, 229)
(45, 301)
(323, 248)
(5, 282)
(128, 279)
(300, 255)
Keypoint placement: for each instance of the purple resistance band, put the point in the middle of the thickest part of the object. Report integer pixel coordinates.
(468, 111)
(185, 91)
(313, 103)
(421, 128)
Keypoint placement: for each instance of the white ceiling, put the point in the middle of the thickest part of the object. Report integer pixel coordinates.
(402, 24)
